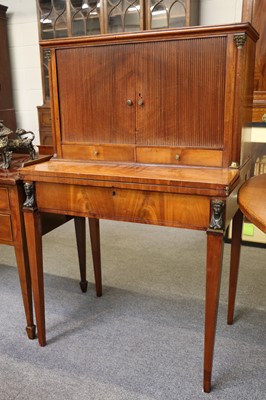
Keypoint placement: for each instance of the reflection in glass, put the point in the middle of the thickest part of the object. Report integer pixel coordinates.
(53, 18)
(85, 17)
(62, 18)
(59, 5)
(46, 23)
(167, 13)
(45, 61)
(123, 15)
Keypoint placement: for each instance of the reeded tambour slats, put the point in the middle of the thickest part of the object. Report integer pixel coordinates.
(181, 85)
(93, 98)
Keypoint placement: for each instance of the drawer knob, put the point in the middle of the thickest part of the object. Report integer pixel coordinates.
(264, 118)
(95, 153)
(129, 102)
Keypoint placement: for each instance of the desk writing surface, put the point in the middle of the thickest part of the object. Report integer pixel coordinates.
(171, 196)
(208, 178)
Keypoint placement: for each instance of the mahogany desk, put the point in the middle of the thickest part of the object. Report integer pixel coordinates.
(148, 127)
(252, 204)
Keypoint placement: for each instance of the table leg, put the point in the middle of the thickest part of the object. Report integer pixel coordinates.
(213, 279)
(33, 229)
(25, 284)
(94, 226)
(234, 263)
(80, 229)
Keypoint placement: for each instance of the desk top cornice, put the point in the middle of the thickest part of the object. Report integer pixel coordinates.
(154, 35)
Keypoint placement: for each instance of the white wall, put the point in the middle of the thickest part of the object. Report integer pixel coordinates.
(215, 12)
(25, 62)
(25, 58)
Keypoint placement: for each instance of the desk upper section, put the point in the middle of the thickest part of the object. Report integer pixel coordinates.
(179, 97)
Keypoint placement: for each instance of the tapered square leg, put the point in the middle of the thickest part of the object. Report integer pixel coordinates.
(34, 240)
(94, 226)
(80, 229)
(234, 264)
(213, 280)
(25, 284)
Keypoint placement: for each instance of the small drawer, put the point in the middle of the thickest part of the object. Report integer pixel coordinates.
(4, 200)
(155, 208)
(46, 137)
(5, 228)
(259, 114)
(99, 152)
(45, 119)
(179, 156)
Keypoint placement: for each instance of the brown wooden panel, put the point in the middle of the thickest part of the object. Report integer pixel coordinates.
(125, 205)
(259, 113)
(246, 84)
(182, 85)
(5, 228)
(254, 11)
(179, 156)
(99, 152)
(45, 119)
(7, 112)
(94, 84)
(4, 201)
(258, 21)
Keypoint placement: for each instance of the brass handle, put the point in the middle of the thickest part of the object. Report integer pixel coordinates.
(129, 102)
(140, 102)
(264, 118)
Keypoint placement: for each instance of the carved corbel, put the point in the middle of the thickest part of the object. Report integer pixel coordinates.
(217, 212)
(240, 40)
(30, 198)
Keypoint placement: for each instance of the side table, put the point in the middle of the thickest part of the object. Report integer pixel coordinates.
(252, 204)
(12, 231)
